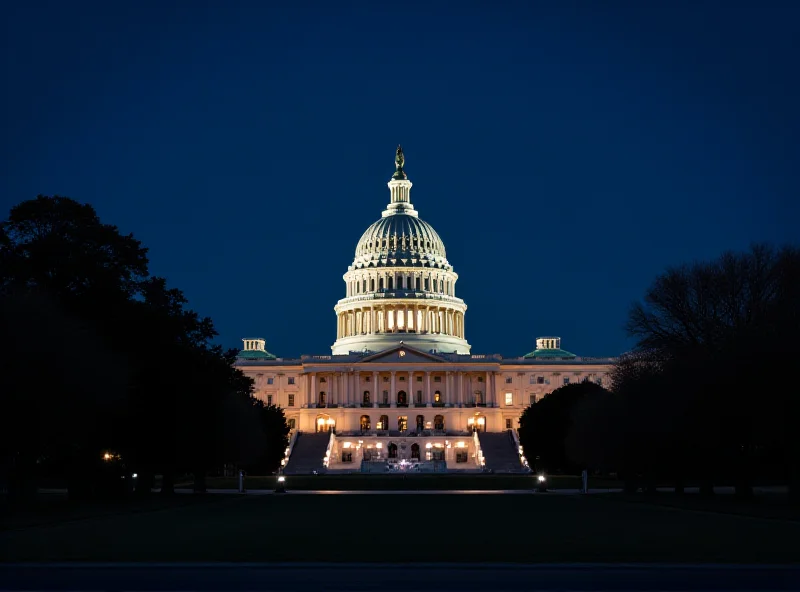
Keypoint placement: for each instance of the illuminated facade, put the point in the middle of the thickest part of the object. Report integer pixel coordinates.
(401, 389)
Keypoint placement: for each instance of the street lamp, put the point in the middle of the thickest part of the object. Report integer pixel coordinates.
(542, 483)
(280, 487)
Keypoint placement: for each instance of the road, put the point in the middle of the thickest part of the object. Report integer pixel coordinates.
(388, 577)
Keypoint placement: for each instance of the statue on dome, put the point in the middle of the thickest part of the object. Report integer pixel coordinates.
(399, 159)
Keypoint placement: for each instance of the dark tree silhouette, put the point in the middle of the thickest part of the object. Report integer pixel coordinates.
(545, 424)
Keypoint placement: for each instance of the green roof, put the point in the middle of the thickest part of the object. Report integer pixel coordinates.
(254, 354)
(550, 354)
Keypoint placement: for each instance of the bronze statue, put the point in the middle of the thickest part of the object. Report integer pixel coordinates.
(399, 159)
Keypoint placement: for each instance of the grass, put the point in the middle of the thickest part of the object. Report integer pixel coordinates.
(402, 528)
(448, 482)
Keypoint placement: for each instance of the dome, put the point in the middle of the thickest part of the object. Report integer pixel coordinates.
(400, 236)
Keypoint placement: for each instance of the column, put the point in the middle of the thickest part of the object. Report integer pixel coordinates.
(447, 393)
(356, 388)
(372, 327)
(461, 389)
(487, 394)
(411, 390)
(428, 389)
(312, 399)
(392, 395)
(333, 389)
(375, 389)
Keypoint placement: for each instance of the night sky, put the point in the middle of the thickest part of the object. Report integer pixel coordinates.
(565, 152)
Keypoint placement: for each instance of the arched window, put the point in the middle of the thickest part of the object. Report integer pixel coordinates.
(372, 284)
(383, 423)
(438, 422)
(366, 398)
(322, 399)
(392, 450)
(420, 423)
(380, 284)
(400, 283)
(417, 283)
(402, 398)
(365, 424)
(415, 450)
(402, 423)
(437, 397)
(391, 283)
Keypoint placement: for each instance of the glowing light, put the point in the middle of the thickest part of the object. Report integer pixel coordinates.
(107, 456)
(378, 445)
(428, 445)
(281, 479)
(461, 444)
(542, 478)
(135, 475)
(330, 421)
(348, 444)
(471, 421)
(481, 421)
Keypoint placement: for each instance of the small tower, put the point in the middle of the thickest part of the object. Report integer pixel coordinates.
(255, 348)
(400, 189)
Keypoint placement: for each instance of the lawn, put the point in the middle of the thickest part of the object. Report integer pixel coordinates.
(403, 528)
(366, 482)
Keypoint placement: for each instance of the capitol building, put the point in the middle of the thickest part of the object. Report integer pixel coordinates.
(401, 389)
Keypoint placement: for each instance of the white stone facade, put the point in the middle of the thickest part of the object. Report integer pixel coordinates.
(401, 373)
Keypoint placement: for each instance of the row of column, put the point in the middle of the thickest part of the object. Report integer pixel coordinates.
(346, 388)
(391, 319)
(400, 281)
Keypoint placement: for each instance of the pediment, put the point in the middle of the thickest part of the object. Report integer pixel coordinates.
(402, 354)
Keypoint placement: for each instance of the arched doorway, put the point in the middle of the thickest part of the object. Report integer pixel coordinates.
(438, 422)
(402, 423)
(476, 423)
(325, 423)
(383, 423)
(365, 424)
(322, 400)
(392, 450)
(415, 450)
(420, 423)
(402, 398)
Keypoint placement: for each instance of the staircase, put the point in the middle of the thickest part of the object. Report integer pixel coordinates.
(307, 454)
(500, 452)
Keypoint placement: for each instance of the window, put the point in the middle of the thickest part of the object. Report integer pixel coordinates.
(402, 423)
(437, 379)
(402, 379)
(480, 378)
(540, 380)
(419, 397)
(385, 397)
(291, 400)
(291, 380)
(419, 378)
(478, 397)
(461, 456)
(385, 379)
(270, 380)
(322, 397)
(508, 423)
(509, 380)
(365, 400)
(437, 397)
(509, 398)
(269, 399)
(566, 380)
(291, 423)
(533, 399)
(347, 456)
(323, 379)
(366, 379)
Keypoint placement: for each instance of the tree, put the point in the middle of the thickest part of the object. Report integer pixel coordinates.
(545, 424)
(723, 329)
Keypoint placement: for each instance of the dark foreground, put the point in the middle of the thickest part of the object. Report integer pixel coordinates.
(384, 577)
(410, 528)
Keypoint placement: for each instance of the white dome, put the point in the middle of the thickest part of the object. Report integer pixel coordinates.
(400, 240)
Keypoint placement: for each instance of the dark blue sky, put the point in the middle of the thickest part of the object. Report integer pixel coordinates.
(565, 152)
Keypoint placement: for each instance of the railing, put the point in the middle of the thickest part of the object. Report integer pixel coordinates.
(329, 449)
(480, 461)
